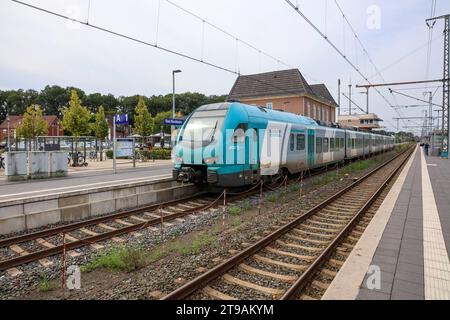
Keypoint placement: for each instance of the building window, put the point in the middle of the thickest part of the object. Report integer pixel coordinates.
(309, 110)
(269, 105)
(300, 142)
(314, 111)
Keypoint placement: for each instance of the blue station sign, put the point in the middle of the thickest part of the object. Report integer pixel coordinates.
(121, 119)
(173, 122)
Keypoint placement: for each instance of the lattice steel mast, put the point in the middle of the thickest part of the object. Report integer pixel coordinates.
(446, 83)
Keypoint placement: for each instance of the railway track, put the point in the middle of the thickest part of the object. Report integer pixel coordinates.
(38, 246)
(283, 263)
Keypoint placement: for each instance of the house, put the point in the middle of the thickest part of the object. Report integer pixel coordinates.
(285, 90)
(53, 126)
(364, 122)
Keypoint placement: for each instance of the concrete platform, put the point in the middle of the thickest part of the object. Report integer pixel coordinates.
(404, 252)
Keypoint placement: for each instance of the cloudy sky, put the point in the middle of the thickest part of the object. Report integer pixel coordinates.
(40, 49)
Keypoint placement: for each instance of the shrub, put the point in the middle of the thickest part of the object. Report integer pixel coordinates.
(160, 154)
(109, 154)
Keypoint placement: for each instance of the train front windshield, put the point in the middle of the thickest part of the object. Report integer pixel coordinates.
(203, 127)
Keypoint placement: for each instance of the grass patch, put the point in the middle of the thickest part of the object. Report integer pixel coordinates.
(155, 255)
(197, 244)
(359, 166)
(235, 211)
(325, 179)
(295, 188)
(247, 205)
(45, 285)
(237, 222)
(120, 259)
(272, 197)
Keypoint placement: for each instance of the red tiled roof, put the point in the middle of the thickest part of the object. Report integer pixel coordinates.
(15, 121)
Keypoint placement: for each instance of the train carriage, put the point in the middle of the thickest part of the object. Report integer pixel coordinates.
(233, 145)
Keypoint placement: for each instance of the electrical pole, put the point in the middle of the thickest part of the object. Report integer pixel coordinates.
(446, 83)
(367, 101)
(350, 99)
(431, 124)
(339, 97)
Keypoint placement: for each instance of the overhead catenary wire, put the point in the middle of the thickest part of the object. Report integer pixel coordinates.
(408, 96)
(342, 54)
(146, 43)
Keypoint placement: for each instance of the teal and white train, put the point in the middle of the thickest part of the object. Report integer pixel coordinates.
(233, 145)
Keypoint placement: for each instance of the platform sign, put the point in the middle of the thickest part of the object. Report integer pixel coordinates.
(173, 122)
(121, 119)
(124, 148)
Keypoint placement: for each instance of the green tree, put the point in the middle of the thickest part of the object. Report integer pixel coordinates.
(76, 119)
(143, 121)
(159, 122)
(33, 124)
(101, 128)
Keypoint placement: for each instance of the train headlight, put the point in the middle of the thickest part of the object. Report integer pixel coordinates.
(178, 159)
(211, 160)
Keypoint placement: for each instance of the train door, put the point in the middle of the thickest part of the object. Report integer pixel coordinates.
(253, 154)
(311, 151)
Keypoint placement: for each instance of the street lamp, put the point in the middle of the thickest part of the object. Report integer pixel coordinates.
(9, 132)
(173, 97)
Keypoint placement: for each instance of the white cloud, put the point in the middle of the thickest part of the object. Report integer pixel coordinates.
(39, 49)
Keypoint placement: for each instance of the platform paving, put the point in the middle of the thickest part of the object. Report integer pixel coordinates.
(410, 247)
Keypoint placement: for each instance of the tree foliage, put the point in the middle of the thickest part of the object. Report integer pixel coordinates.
(101, 125)
(33, 123)
(53, 99)
(143, 121)
(76, 117)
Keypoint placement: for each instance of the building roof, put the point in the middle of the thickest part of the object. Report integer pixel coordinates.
(277, 83)
(321, 91)
(357, 117)
(16, 120)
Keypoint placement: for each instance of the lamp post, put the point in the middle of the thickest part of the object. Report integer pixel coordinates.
(9, 132)
(173, 97)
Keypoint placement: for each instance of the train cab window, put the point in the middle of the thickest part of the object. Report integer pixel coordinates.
(291, 142)
(318, 145)
(300, 142)
(325, 144)
(332, 145)
(239, 133)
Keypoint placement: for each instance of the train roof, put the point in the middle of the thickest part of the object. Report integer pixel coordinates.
(261, 112)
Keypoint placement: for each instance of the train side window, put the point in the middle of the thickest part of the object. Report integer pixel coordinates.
(325, 144)
(353, 143)
(332, 145)
(291, 142)
(300, 142)
(318, 145)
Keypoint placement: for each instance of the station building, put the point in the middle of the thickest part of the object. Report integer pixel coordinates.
(286, 90)
(54, 127)
(362, 122)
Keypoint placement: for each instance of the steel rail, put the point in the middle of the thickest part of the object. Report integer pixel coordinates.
(202, 280)
(89, 222)
(304, 279)
(33, 256)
